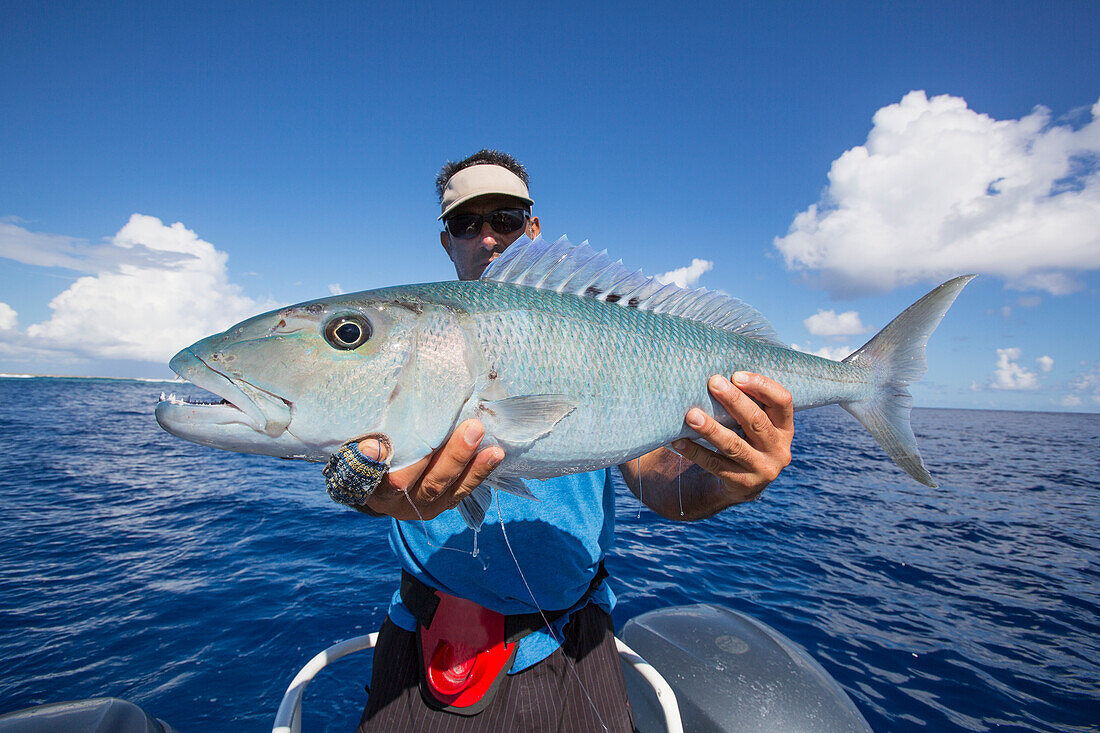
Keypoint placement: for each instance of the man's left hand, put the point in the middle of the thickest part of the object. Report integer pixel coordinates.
(764, 410)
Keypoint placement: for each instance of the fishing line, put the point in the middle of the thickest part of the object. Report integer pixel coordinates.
(641, 490)
(679, 479)
(424, 526)
(546, 621)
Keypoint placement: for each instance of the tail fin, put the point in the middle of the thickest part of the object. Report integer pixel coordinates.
(896, 354)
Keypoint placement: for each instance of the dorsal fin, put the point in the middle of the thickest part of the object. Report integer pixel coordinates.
(579, 270)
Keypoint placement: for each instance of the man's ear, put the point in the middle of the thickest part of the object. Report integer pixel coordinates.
(533, 227)
(445, 241)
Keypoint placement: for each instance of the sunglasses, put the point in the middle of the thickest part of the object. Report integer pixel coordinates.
(502, 221)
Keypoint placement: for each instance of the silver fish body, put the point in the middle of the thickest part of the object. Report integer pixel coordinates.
(571, 362)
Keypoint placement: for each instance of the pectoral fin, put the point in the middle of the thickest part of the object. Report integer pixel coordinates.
(522, 419)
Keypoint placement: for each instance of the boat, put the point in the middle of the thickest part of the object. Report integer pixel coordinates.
(700, 668)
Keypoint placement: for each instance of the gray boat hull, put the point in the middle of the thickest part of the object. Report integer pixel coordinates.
(99, 715)
(731, 672)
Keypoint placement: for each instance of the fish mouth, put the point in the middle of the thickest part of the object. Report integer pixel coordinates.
(241, 402)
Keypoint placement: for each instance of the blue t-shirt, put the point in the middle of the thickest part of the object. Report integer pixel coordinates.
(558, 542)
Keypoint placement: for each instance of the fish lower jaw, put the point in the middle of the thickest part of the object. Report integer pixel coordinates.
(186, 414)
(225, 427)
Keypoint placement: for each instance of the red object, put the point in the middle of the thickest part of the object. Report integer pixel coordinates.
(464, 653)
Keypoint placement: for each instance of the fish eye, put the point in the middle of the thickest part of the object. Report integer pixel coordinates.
(347, 332)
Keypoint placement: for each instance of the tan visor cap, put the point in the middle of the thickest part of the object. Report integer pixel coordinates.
(481, 180)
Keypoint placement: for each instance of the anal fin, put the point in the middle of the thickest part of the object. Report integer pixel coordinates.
(474, 505)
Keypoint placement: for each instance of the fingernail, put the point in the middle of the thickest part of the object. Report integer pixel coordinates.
(718, 383)
(680, 444)
(473, 435)
(741, 377)
(695, 417)
(494, 460)
(371, 448)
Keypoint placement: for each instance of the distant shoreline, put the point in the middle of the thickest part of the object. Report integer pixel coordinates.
(176, 380)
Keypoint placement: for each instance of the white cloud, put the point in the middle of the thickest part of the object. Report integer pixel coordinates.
(335, 289)
(1055, 283)
(836, 353)
(687, 277)
(939, 190)
(9, 319)
(1089, 380)
(33, 248)
(1029, 301)
(1045, 363)
(1010, 375)
(167, 288)
(830, 323)
(1087, 384)
(73, 253)
(1071, 400)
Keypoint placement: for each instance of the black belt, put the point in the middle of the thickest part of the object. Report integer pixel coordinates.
(422, 601)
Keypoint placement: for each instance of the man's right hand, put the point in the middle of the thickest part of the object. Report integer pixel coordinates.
(437, 482)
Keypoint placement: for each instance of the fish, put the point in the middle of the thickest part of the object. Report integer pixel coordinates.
(572, 362)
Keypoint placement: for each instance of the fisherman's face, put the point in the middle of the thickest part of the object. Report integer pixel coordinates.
(472, 256)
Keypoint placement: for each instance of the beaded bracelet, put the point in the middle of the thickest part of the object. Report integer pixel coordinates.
(352, 477)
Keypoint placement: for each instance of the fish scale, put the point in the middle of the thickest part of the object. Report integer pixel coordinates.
(540, 341)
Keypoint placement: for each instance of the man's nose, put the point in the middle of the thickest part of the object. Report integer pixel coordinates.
(488, 237)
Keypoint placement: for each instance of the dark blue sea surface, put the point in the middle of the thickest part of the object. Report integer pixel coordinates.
(196, 582)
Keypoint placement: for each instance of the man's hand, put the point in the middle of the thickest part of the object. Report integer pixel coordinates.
(437, 482)
(709, 481)
(744, 465)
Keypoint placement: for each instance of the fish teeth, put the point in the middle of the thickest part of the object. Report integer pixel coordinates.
(172, 399)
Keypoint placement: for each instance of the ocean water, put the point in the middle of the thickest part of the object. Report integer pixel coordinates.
(195, 582)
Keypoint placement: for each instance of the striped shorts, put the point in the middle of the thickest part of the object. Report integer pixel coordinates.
(579, 687)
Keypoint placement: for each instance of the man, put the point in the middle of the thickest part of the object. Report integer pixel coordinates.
(536, 565)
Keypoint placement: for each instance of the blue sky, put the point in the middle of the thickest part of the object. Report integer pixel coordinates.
(841, 157)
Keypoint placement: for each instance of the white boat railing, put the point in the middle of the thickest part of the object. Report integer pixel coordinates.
(666, 698)
(289, 717)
